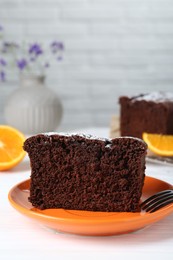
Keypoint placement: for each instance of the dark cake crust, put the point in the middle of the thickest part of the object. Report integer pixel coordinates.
(143, 114)
(75, 172)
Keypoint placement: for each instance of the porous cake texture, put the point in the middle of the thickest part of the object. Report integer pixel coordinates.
(79, 172)
(151, 113)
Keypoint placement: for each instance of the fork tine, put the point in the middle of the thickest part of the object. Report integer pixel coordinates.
(155, 197)
(157, 201)
(165, 203)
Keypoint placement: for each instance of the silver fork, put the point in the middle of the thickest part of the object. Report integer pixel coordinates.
(157, 201)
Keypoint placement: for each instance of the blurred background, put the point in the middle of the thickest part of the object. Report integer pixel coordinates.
(111, 48)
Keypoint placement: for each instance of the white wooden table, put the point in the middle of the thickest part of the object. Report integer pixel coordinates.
(22, 238)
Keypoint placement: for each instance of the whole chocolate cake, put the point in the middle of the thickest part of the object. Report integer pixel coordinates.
(151, 113)
(82, 172)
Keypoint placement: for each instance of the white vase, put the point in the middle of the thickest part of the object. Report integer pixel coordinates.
(33, 107)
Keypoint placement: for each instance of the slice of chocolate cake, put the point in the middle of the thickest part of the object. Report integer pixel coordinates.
(82, 172)
(151, 113)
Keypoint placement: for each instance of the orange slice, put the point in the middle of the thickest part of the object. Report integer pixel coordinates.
(11, 147)
(159, 144)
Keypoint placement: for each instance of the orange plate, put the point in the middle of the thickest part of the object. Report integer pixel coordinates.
(87, 222)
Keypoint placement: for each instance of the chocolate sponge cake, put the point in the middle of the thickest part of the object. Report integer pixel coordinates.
(151, 113)
(82, 172)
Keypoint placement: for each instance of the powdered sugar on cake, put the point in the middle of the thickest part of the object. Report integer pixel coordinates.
(87, 136)
(155, 96)
(108, 141)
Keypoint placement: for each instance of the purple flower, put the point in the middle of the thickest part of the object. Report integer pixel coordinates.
(35, 50)
(2, 75)
(21, 64)
(28, 55)
(56, 46)
(2, 62)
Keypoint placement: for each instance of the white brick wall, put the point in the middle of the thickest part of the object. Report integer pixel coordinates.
(113, 47)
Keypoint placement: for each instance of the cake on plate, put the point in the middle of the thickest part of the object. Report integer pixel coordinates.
(82, 172)
(151, 113)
